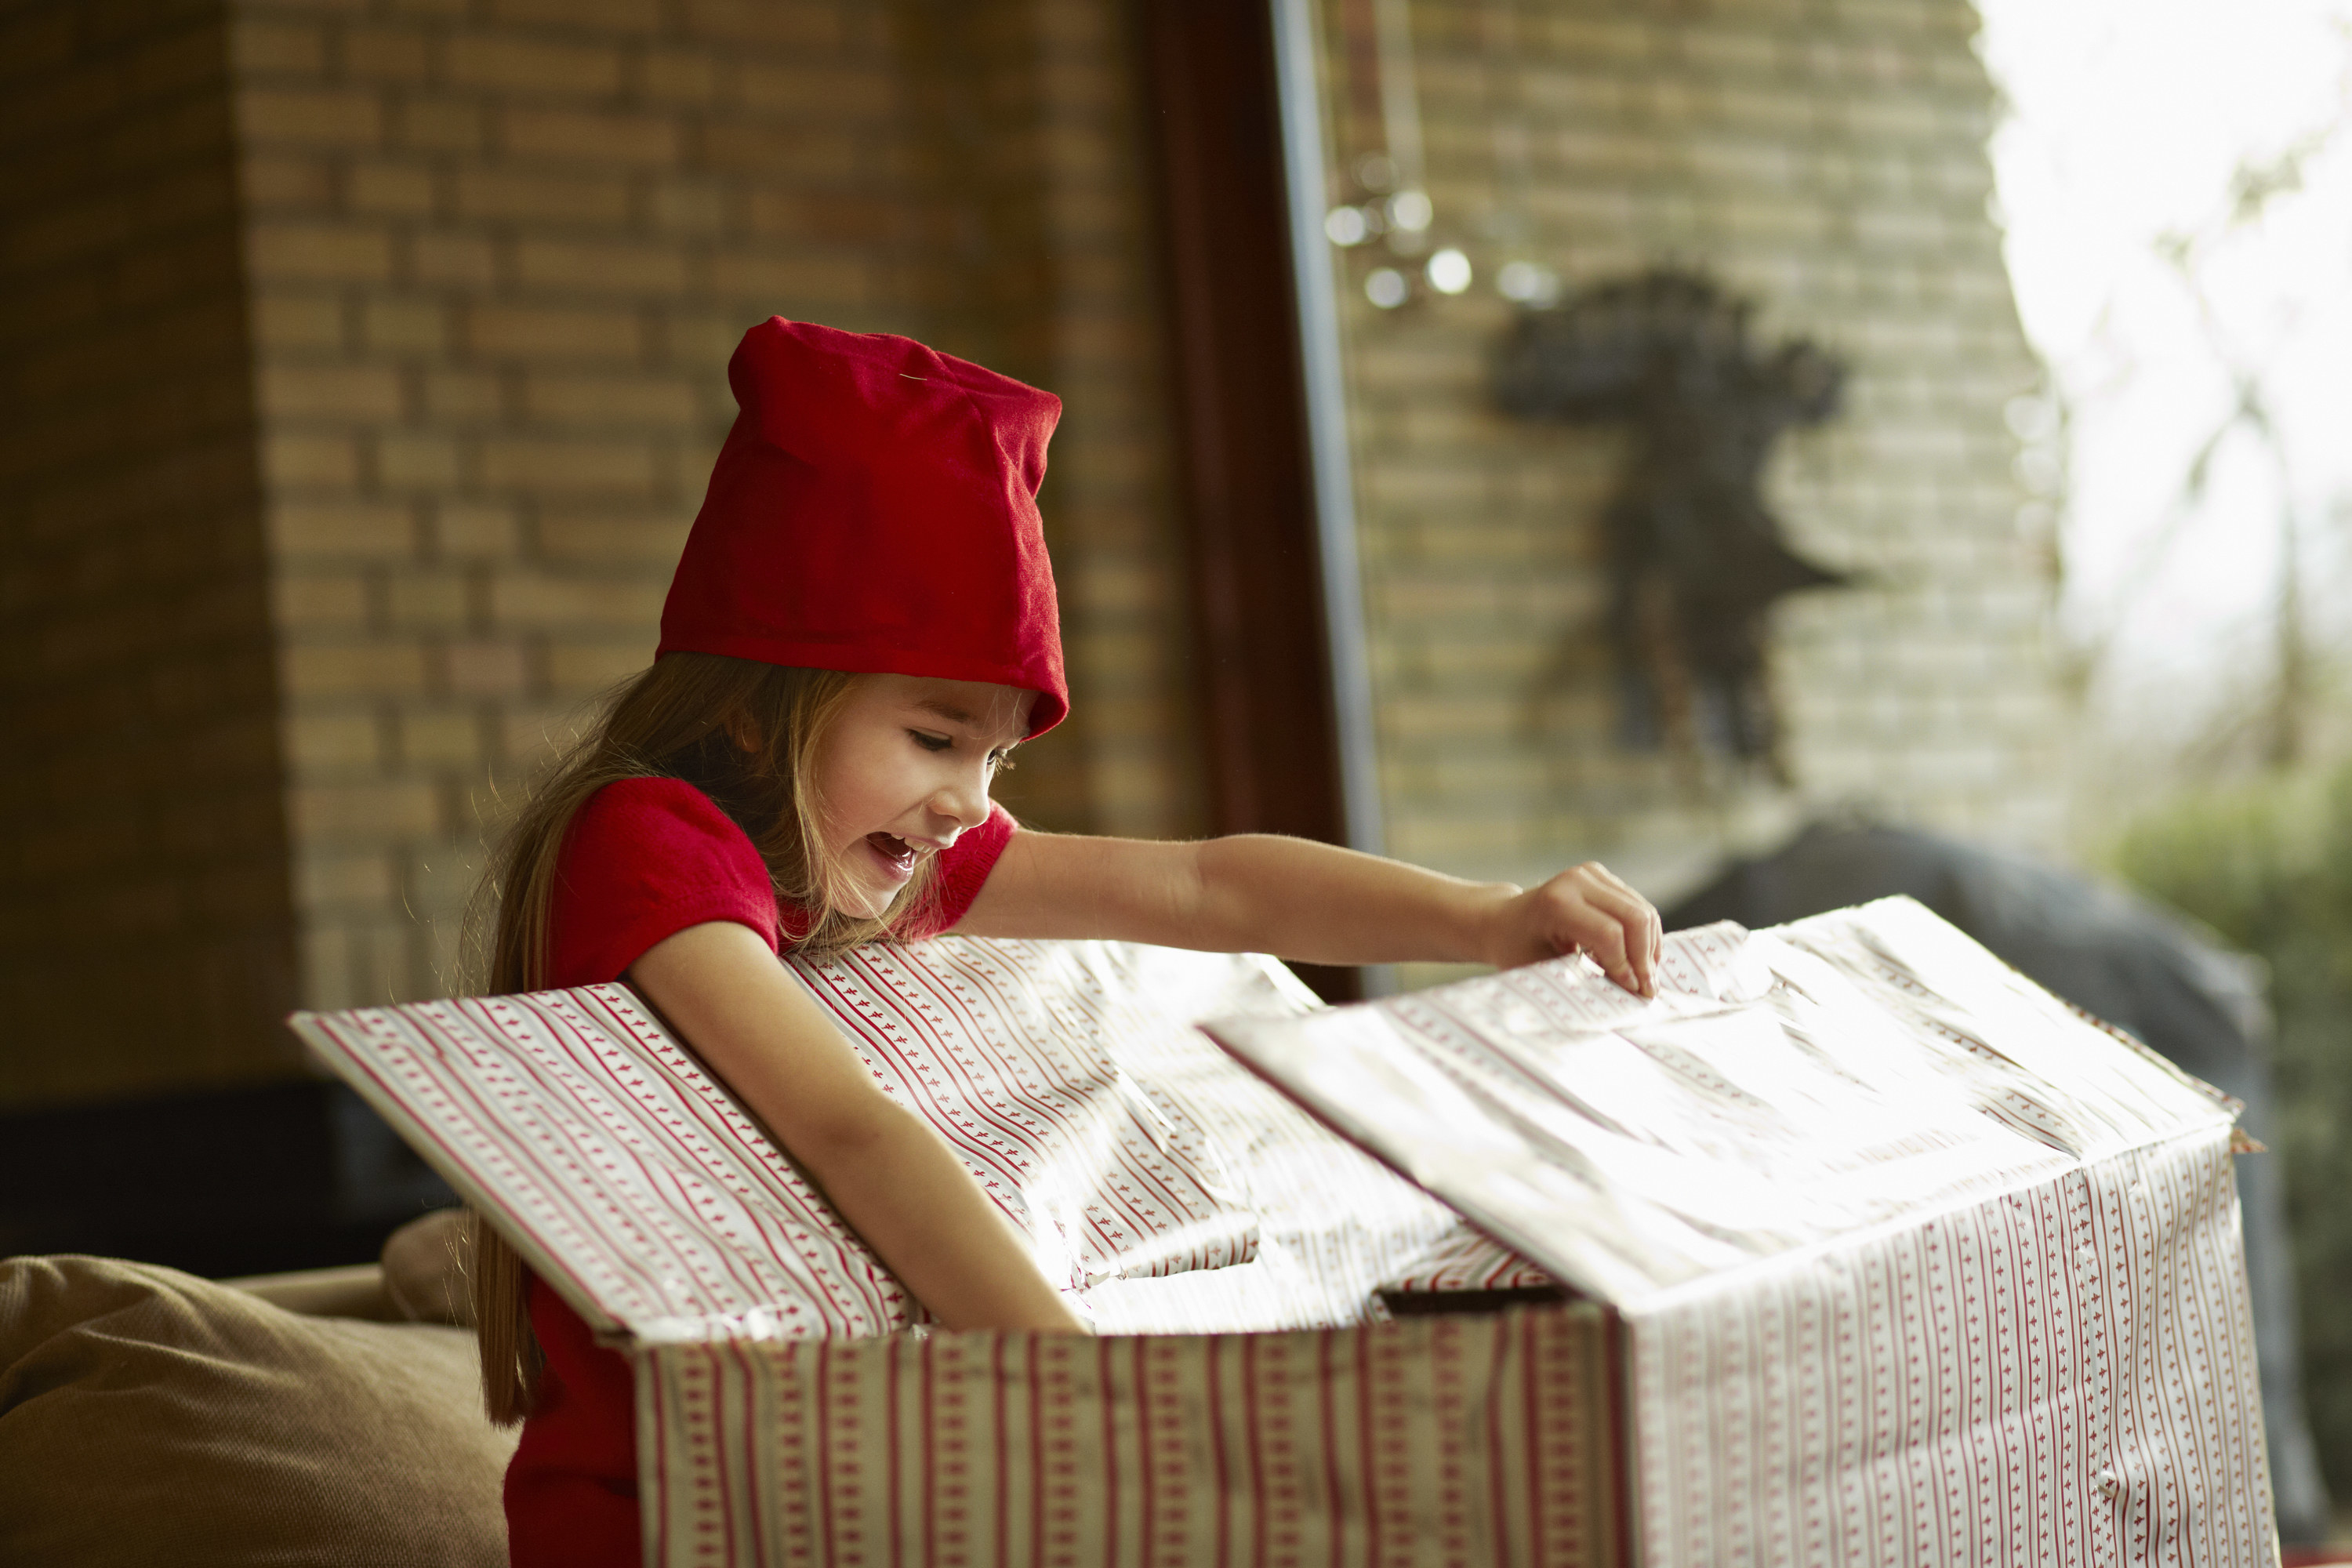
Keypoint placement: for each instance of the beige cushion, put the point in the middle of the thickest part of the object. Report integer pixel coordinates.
(425, 1270)
(147, 1416)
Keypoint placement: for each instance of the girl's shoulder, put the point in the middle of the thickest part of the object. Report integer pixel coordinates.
(662, 827)
(645, 858)
(657, 809)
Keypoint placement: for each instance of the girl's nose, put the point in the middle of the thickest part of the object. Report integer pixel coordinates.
(964, 797)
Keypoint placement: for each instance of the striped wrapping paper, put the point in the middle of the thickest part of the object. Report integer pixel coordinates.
(1458, 1440)
(1885, 1256)
(1170, 1189)
(2063, 1375)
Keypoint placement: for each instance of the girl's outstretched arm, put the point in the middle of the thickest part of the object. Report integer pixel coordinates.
(1313, 902)
(889, 1175)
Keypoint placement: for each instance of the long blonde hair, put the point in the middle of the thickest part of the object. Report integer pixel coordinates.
(746, 734)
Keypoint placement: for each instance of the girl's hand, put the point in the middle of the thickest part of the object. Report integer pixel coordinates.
(1586, 909)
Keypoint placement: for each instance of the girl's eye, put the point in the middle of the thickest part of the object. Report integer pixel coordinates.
(1000, 761)
(930, 742)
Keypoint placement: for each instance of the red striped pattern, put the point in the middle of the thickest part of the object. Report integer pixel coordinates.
(628, 1177)
(1462, 1260)
(1171, 1188)
(2064, 1375)
(1445, 1441)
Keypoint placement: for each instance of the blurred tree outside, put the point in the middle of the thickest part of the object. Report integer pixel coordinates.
(2267, 865)
(2175, 180)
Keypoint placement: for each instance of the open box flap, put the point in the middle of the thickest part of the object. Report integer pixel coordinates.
(1787, 1090)
(1172, 1190)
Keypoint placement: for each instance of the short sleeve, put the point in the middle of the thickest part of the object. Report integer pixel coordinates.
(644, 859)
(964, 869)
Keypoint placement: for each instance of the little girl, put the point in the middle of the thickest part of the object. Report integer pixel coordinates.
(861, 629)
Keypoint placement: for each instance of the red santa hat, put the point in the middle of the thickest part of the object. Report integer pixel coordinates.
(874, 509)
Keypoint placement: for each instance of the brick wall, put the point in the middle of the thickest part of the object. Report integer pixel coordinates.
(366, 361)
(500, 252)
(145, 929)
(1825, 157)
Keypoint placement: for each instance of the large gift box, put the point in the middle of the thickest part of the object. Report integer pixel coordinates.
(1853, 1247)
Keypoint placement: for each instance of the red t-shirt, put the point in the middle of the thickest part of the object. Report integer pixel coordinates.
(644, 860)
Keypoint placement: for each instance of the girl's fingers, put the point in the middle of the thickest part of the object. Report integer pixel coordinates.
(1634, 916)
(1590, 909)
(1630, 930)
(1606, 947)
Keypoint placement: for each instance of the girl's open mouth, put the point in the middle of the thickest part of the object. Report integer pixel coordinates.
(894, 852)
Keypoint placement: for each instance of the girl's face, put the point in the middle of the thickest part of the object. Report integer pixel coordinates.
(903, 770)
